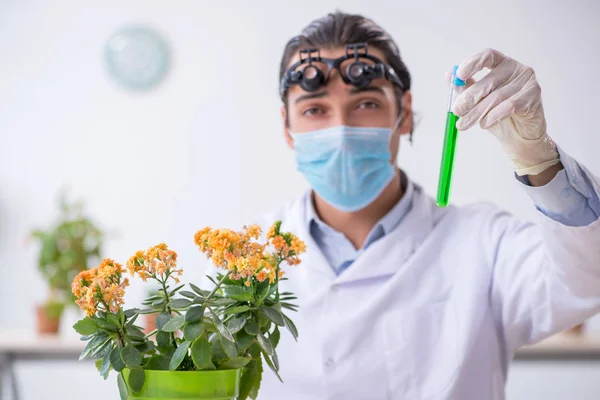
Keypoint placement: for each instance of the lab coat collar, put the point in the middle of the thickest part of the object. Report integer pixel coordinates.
(384, 257)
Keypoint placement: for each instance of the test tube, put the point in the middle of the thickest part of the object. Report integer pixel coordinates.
(449, 149)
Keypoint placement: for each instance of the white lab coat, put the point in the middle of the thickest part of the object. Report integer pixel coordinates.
(435, 309)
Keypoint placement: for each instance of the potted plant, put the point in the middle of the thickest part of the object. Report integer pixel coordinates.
(67, 247)
(208, 344)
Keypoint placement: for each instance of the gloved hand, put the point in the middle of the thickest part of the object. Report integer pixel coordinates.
(508, 103)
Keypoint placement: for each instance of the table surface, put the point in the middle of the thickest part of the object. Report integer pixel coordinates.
(19, 342)
(25, 342)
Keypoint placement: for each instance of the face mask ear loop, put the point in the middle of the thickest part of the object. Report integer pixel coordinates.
(398, 121)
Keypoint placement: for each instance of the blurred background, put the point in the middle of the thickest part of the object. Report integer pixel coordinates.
(185, 132)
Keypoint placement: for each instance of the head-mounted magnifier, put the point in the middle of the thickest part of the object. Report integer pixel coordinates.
(359, 72)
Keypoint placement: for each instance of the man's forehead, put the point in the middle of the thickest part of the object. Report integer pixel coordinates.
(334, 53)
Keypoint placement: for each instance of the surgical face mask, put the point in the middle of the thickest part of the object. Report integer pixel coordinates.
(349, 167)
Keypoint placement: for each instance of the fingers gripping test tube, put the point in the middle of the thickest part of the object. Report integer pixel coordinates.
(449, 149)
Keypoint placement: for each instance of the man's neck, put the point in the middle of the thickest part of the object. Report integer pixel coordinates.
(357, 225)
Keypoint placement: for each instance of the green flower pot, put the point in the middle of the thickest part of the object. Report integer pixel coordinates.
(188, 385)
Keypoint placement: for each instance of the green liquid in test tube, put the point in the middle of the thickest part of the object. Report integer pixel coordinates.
(449, 149)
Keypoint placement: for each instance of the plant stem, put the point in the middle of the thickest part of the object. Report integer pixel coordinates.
(167, 308)
(211, 294)
(151, 333)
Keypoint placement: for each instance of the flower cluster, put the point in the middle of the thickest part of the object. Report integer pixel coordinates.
(101, 288)
(158, 262)
(287, 245)
(244, 257)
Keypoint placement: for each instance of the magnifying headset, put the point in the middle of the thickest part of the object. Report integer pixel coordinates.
(358, 73)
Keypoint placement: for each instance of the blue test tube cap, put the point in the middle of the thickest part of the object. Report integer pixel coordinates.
(457, 81)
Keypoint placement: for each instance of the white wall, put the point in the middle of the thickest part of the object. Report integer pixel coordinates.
(206, 146)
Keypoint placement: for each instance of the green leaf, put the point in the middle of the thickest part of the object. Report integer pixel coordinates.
(123, 392)
(265, 344)
(223, 331)
(223, 302)
(255, 350)
(229, 348)
(179, 355)
(274, 315)
(158, 362)
(192, 330)
(104, 324)
(218, 354)
(210, 278)
(237, 323)
(86, 326)
(130, 313)
(194, 314)
(208, 325)
(238, 293)
(243, 340)
(98, 364)
(137, 376)
(105, 369)
(159, 302)
(291, 327)
(113, 319)
(162, 319)
(115, 359)
(131, 356)
(201, 352)
(135, 332)
(180, 303)
(188, 294)
(132, 320)
(104, 349)
(209, 367)
(174, 323)
(175, 290)
(163, 340)
(145, 347)
(256, 388)
(251, 376)
(199, 291)
(94, 345)
(263, 321)
(238, 310)
(252, 327)
(271, 365)
(274, 337)
(235, 363)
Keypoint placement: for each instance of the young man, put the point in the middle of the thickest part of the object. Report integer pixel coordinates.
(401, 299)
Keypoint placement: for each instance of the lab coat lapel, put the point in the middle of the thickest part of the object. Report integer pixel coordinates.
(387, 255)
(315, 273)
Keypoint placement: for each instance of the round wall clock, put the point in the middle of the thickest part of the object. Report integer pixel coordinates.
(137, 57)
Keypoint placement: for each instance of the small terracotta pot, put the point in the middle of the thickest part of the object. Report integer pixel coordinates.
(150, 323)
(45, 324)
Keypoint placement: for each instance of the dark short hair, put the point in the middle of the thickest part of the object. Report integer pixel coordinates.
(339, 29)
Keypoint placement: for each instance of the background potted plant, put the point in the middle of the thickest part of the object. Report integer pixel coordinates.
(67, 247)
(208, 344)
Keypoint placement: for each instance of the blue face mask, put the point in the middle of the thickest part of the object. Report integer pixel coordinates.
(349, 167)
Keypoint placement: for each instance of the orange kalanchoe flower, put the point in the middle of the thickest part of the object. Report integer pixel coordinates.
(101, 288)
(156, 262)
(244, 257)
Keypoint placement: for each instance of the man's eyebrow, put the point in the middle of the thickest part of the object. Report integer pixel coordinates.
(378, 89)
(308, 96)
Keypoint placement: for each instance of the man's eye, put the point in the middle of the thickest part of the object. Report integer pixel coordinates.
(313, 111)
(368, 104)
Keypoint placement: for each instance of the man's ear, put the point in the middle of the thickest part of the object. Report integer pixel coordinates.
(408, 119)
(286, 132)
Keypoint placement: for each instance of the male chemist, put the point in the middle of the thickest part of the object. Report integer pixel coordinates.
(399, 298)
